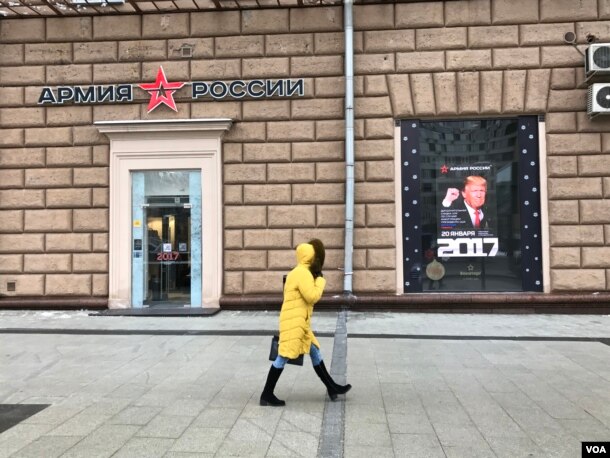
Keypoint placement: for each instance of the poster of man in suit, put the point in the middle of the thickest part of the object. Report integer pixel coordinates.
(466, 209)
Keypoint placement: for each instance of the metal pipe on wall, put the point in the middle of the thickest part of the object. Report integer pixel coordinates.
(349, 146)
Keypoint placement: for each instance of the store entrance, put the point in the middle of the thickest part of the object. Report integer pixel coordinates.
(166, 237)
(168, 263)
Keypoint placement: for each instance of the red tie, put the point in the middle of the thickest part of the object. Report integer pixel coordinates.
(477, 220)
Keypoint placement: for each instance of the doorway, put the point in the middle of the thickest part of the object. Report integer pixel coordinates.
(166, 265)
(183, 158)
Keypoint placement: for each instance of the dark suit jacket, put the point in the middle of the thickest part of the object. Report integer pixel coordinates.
(486, 221)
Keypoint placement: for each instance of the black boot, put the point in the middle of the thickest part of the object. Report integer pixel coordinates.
(332, 388)
(267, 397)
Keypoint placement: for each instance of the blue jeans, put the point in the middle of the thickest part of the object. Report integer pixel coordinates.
(314, 353)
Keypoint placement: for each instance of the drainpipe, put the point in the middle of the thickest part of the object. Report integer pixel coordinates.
(349, 146)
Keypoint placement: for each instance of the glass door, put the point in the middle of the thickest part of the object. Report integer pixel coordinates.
(166, 268)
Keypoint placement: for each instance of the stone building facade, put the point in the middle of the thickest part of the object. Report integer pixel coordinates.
(282, 159)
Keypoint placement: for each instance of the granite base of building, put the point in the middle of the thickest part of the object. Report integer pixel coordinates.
(570, 303)
(54, 303)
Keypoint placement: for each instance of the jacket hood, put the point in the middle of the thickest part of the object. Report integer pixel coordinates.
(305, 254)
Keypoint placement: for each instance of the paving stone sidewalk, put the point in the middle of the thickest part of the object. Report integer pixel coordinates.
(360, 323)
(424, 385)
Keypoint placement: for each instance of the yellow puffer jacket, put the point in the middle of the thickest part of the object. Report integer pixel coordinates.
(301, 292)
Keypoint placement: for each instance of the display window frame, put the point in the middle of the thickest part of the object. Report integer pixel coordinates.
(412, 272)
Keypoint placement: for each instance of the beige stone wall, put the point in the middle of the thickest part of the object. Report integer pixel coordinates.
(283, 170)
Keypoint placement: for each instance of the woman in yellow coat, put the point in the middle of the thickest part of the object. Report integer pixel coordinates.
(304, 287)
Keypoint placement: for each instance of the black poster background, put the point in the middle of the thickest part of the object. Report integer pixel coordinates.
(454, 219)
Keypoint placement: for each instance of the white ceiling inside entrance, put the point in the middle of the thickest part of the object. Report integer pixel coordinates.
(54, 8)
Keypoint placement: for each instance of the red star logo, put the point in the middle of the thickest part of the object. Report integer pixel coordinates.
(444, 169)
(161, 91)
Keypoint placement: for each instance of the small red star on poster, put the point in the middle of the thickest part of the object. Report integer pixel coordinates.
(444, 169)
(161, 91)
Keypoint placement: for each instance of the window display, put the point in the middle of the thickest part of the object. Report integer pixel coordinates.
(464, 210)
